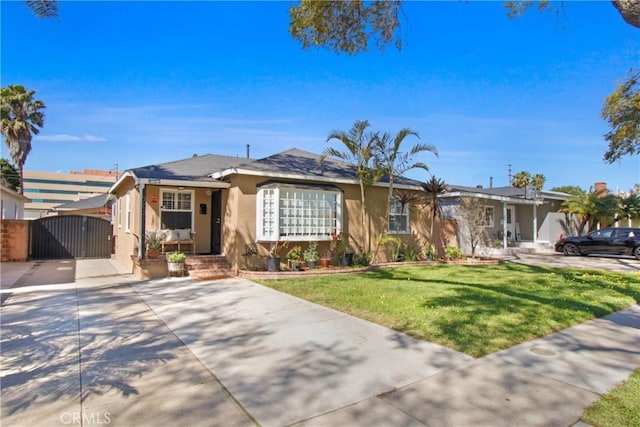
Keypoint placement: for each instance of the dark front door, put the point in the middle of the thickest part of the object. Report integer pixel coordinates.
(216, 222)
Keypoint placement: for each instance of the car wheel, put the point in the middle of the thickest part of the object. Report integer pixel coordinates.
(636, 252)
(570, 249)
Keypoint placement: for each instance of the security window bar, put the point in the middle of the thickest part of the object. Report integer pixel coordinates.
(176, 211)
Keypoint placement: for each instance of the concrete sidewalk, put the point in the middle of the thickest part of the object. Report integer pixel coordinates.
(84, 343)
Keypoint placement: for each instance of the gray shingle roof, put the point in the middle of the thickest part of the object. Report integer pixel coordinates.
(196, 167)
(292, 161)
(508, 191)
(94, 202)
(296, 161)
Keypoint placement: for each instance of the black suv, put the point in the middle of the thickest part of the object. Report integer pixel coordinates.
(608, 241)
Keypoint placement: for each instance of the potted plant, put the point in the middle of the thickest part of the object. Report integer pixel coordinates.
(311, 255)
(339, 243)
(295, 257)
(325, 259)
(175, 262)
(273, 260)
(153, 239)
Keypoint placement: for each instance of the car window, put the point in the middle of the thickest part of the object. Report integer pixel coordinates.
(602, 234)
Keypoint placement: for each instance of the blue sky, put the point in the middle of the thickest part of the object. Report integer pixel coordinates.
(138, 83)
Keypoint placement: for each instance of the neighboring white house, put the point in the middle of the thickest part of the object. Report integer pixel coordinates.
(533, 218)
(12, 203)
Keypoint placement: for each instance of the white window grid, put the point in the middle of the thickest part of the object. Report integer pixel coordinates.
(298, 214)
(177, 201)
(489, 216)
(398, 217)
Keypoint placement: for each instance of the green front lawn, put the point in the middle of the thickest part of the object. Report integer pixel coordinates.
(477, 310)
(619, 408)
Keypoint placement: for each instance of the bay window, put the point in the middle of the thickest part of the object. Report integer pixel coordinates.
(298, 212)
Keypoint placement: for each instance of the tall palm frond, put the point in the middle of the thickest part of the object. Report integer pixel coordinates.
(21, 116)
(360, 150)
(43, 8)
(432, 189)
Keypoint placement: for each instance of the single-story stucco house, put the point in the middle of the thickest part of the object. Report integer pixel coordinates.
(11, 203)
(232, 206)
(533, 219)
(236, 207)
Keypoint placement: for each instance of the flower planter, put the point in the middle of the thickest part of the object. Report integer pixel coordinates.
(175, 267)
(325, 262)
(273, 264)
(346, 259)
(311, 265)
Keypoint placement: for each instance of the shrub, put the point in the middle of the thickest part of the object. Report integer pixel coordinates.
(452, 252)
(176, 257)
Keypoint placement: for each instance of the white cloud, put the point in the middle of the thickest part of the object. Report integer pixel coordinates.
(70, 138)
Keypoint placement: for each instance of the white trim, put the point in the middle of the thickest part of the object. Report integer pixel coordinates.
(127, 213)
(493, 216)
(513, 200)
(407, 229)
(276, 199)
(169, 182)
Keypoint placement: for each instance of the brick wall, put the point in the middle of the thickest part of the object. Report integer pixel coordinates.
(14, 245)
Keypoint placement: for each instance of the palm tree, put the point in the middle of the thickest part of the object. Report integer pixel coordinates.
(590, 208)
(360, 149)
(393, 162)
(432, 189)
(521, 179)
(43, 8)
(20, 117)
(629, 207)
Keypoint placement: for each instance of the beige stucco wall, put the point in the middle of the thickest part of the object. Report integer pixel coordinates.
(201, 222)
(239, 222)
(238, 228)
(126, 243)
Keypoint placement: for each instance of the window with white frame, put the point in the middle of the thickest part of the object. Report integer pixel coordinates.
(287, 212)
(119, 208)
(176, 210)
(488, 217)
(398, 217)
(127, 217)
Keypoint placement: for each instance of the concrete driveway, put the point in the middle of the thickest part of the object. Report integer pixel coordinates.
(607, 263)
(84, 344)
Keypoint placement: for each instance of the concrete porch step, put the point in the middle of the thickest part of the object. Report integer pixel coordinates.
(205, 267)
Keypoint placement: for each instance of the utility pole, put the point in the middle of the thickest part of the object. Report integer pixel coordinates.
(509, 174)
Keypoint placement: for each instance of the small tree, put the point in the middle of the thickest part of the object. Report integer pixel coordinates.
(472, 213)
(432, 189)
(9, 176)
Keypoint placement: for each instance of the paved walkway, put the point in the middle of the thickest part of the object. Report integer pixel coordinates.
(83, 343)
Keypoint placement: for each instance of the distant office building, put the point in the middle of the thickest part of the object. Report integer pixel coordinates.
(51, 189)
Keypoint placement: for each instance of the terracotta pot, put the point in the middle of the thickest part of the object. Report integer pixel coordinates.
(153, 254)
(324, 262)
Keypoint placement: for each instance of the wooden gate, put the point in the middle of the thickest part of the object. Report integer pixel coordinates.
(70, 236)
